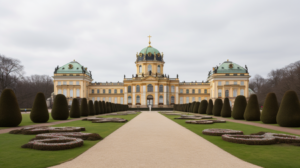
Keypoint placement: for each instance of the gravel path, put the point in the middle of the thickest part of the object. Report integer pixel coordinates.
(152, 140)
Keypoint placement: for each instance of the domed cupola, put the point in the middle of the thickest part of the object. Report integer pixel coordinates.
(149, 54)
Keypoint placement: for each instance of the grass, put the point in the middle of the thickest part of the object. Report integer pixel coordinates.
(13, 156)
(268, 156)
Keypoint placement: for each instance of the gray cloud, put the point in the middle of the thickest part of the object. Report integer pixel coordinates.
(194, 35)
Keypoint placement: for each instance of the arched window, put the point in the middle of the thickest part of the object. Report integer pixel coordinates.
(129, 89)
(161, 88)
(129, 99)
(172, 99)
(220, 93)
(205, 90)
(158, 68)
(150, 88)
(109, 91)
(140, 69)
(242, 92)
(138, 88)
(115, 91)
(193, 91)
(187, 91)
(137, 99)
(199, 90)
(226, 93)
(92, 90)
(103, 90)
(149, 68)
(98, 91)
(161, 100)
(172, 89)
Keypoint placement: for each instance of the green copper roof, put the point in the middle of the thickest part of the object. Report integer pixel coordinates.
(230, 67)
(149, 49)
(72, 67)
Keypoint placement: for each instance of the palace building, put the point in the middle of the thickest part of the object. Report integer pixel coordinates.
(150, 85)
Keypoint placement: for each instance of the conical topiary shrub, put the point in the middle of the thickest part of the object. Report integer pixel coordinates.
(196, 107)
(10, 114)
(252, 112)
(107, 107)
(270, 109)
(104, 107)
(39, 112)
(99, 107)
(91, 108)
(203, 106)
(217, 107)
(226, 109)
(210, 107)
(60, 110)
(96, 108)
(84, 110)
(289, 110)
(75, 109)
(239, 107)
(190, 107)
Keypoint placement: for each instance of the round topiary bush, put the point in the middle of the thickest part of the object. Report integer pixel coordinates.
(75, 110)
(226, 109)
(217, 107)
(252, 112)
(10, 114)
(203, 106)
(239, 107)
(196, 107)
(60, 110)
(84, 110)
(96, 108)
(39, 112)
(270, 109)
(210, 107)
(289, 110)
(91, 108)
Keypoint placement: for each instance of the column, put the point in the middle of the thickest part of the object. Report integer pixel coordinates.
(133, 95)
(165, 95)
(176, 95)
(156, 95)
(125, 95)
(144, 95)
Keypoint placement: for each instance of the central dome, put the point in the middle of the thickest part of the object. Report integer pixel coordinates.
(149, 53)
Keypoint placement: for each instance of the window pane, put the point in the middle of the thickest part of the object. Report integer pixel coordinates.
(129, 99)
(220, 93)
(138, 88)
(160, 99)
(71, 83)
(172, 99)
(158, 68)
(161, 89)
(77, 83)
(71, 93)
(77, 93)
(129, 89)
(150, 88)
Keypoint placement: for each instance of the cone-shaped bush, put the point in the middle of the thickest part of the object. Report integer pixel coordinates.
(186, 109)
(289, 110)
(60, 110)
(270, 109)
(104, 107)
(75, 109)
(210, 107)
(107, 106)
(10, 114)
(203, 106)
(91, 108)
(252, 112)
(39, 112)
(99, 107)
(196, 107)
(226, 109)
(84, 110)
(239, 107)
(96, 108)
(192, 107)
(217, 107)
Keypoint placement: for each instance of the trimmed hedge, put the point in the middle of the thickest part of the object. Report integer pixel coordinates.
(210, 107)
(217, 107)
(289, 110)
(39, 112)
(252, 112)
(226, 109)
(60, 110)
(10, 114)
(196, 107)
(75, 109)
(84, 110)
(96, 108)
(91, 108)
(104, 107)
(239, 107)
(203, 107)
(270, 109)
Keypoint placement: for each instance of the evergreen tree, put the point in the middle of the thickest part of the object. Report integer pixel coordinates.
(75, 109)
(91, 108)
(196, 107)
(84, 110)
(60, 110)
(239, 107)
(10, 114)
(39, 112)
(217, 107)
(96, 108)
(270, 109)
(226, 109)
(210, 107)
(203, 107)
(252, 112)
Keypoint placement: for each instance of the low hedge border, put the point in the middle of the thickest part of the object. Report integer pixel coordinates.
(83, 136)
(40, 130)
(220, 132)
(249, 139)
(198, 122)
(58, 143)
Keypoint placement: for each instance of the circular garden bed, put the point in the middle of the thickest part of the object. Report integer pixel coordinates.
(220, 132)
(249, 139)
(198, 122)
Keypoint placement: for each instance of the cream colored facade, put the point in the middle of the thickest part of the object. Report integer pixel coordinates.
(150, 85)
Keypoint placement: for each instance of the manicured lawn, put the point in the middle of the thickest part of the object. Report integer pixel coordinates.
(13, 156)
(272, 156)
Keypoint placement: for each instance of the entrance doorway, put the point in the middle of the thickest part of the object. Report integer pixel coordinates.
(150, 100)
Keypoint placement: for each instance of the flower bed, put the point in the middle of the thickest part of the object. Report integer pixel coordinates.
(220, 132)
(217, 121)
(40, 130)
(84, 136)
(104, 120)
(206, 117)
(58, 143)
(283, 138)
(249, 139)
(198, 122)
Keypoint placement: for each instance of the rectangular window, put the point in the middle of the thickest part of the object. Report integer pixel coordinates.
(71, 93)
(103, 98)
(121, 91)
(241, 74)
(71, 83)
(193, 99)
(59, 91)
(59, 83)
(98, 91)
(77, 82)
(234, 74)
(226, 74)
(242, 83)
(205, 98)
(242, 92)
(172, 89)
(199, 90)
(77, 93)
(187, 100)
(121, 100)
(193, 91)
(65, 92)
(116, 100)
(109, 91)
(220, 93)
(205, 90)
(181, 100)
(227, 83)
(115, 91)
(98, 98)
(65, 83)
(219, 83)
(103, 90)
(187, 91)
(199, 99)
(181, 90)
(234, 93)
(70, 102)
(235, 83)
(109, 99)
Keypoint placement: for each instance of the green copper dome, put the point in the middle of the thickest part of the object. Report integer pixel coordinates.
(149, 49)
(72, 67)
(230, 67)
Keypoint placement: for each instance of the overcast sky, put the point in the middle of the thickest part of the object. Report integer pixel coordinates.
(193, 35)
